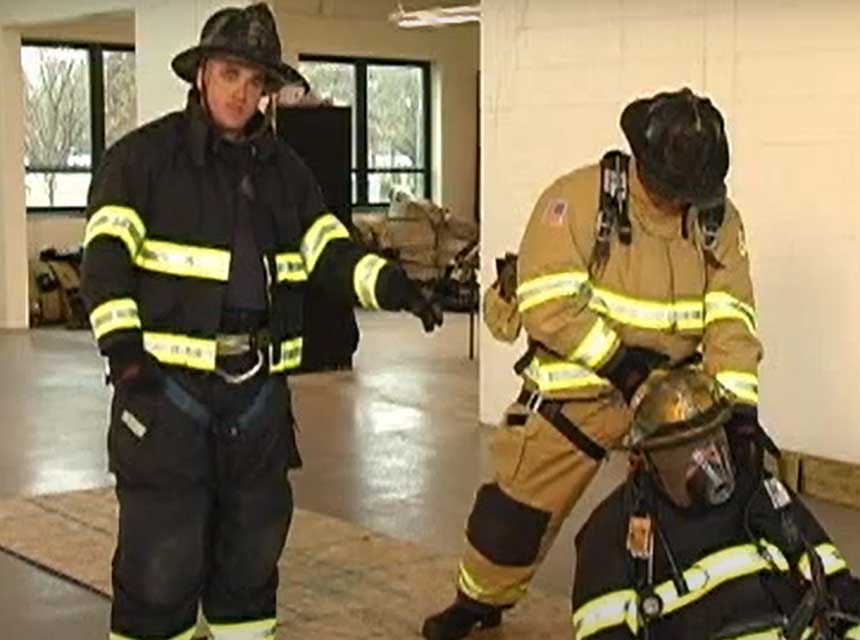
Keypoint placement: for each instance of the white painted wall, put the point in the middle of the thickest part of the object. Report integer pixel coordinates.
(784, 73)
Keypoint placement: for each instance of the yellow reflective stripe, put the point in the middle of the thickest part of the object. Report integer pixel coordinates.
(256, 630)
(114, 315)
(118, 222)
(853, 633)
(831, 559)
(610, 610)
(558, 376)
(326, 228)
(290, 267)
(743, 385)
(180, 350)
(718, 568)
(185, 635)
(600, 342)
(291, 355)
(707, 574)
(646, 314)
(723, 306)
(471, 588)
(184, 260)
(536, 291)
(364, 279)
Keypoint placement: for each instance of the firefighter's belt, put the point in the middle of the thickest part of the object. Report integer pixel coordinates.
(551, 411)
(237, 344)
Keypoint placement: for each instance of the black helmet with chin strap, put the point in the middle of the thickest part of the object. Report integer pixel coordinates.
(249, 34)
(679, 142)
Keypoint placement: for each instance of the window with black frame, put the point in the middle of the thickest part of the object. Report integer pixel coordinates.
(79, 99)
(390, 100)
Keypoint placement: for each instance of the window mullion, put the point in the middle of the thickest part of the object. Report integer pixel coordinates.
(361, 124)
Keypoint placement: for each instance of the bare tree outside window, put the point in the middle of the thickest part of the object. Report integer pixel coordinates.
(120, 95)
(57, 127)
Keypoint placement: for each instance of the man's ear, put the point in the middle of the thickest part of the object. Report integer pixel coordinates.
(201, 70)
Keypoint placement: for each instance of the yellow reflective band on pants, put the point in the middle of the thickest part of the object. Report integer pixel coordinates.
(290, 267)
(185, 635)
(291, 355)
(184, 260)
(710, 572)
(558, 376)
(326, 228)
(723, 306)
(117, 222)
(598, 344)
(550, 287)
(114, 315)
(364, 279)
(744, 386)
(831, 560)
(853, 633)
(180, 350)
(469, 586)
(256, 630)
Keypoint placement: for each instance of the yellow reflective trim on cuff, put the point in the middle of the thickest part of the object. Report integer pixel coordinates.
(559, 376)
(720, 305)
(831, 559)
(743, 385)
(610, 610)
(536, 291)
(114, 315)
(185, 635)
(326, 228)
(853, 633)
(255, 630)
(364, 278)
(468, 585)
(180, 350)
(184, 260)
(118, 222)
(600, 342)
(291, 355)
(290, 267)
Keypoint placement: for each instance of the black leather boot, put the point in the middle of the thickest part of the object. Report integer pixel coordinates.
(458, 621)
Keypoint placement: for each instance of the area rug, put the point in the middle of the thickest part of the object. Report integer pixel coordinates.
(338, 580)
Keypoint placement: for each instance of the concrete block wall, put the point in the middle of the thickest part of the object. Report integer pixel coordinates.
(556, 76)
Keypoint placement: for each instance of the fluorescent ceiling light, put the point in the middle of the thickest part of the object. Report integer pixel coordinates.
(436, 17)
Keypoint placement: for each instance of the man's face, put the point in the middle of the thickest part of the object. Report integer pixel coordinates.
(233, 91)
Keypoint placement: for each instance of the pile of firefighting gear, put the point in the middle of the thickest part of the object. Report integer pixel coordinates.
(434, 247)
(54, 291)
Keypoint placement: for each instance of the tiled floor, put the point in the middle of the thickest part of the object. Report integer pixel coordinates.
(393, 446)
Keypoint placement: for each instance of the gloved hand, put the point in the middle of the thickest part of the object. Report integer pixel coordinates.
(410, 297)
(133, 369)
(747, 438)
(629, 368)
(424, 308)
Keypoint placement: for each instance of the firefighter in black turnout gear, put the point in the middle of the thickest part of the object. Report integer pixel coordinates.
(700, 543)
(204, 234)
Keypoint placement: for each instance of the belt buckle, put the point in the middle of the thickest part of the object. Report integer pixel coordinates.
(535, 401)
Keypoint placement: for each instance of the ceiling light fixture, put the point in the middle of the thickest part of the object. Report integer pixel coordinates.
(436, 17)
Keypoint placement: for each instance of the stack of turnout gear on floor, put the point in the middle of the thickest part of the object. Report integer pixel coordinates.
(55, 280)
(433, 245)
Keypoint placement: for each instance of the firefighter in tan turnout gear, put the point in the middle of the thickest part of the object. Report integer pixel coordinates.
(625, 265)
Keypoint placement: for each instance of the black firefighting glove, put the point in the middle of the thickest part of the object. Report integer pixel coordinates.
(629, 368)
(747, 438)
(133, 369)
(411, 298)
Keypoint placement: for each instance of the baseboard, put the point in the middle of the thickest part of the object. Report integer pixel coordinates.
(821, 477)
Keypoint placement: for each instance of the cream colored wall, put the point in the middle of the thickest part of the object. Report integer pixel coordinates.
(58, 231)
(350, 28)
(113, 28)
(784, 73)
